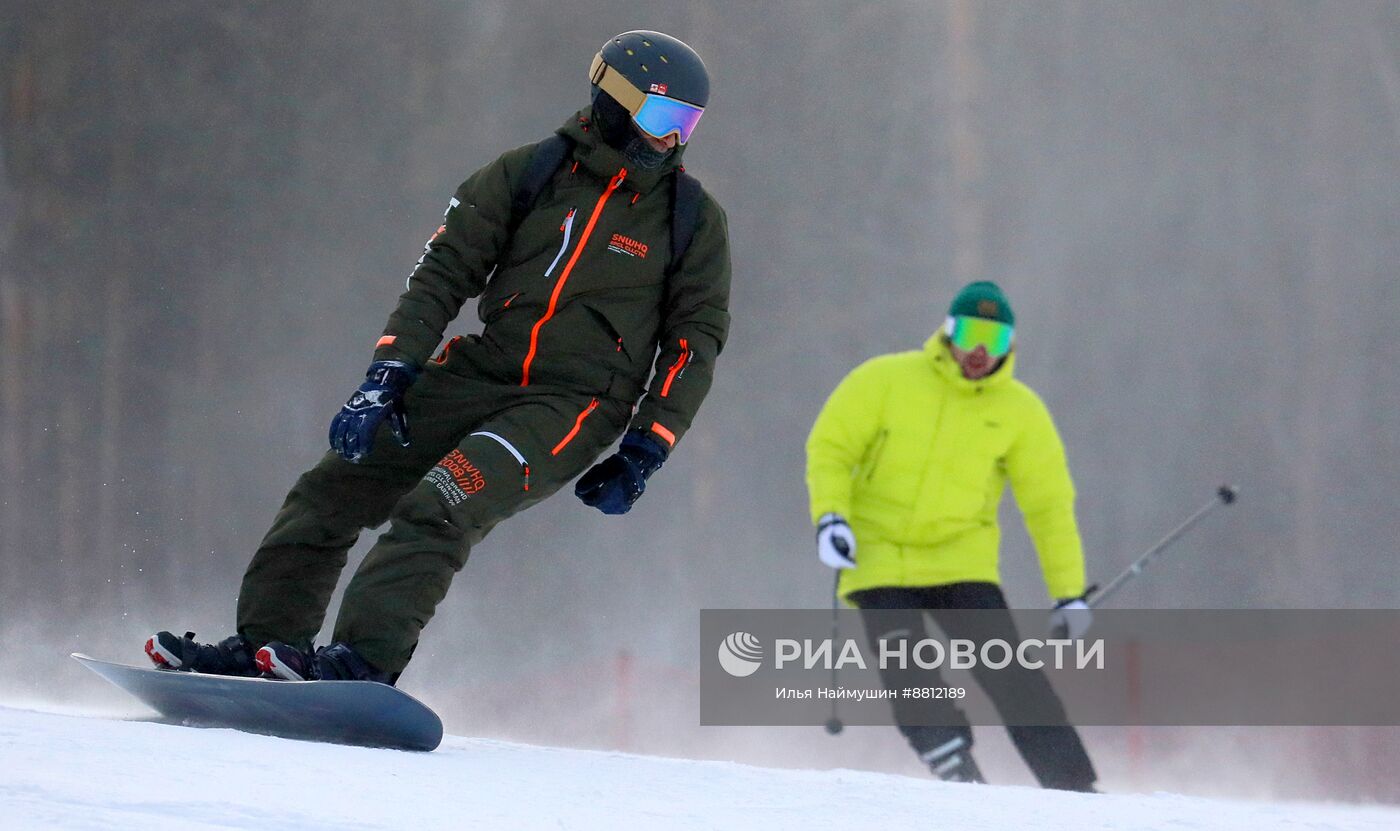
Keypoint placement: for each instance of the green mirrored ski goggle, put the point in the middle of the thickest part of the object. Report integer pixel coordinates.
(967, 333)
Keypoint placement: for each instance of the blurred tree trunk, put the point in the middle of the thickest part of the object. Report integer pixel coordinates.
(1323, 269)
(119, 317)
(964, 141)
(52, 285)
(17, 77)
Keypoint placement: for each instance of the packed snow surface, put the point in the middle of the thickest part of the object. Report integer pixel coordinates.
(68, 771)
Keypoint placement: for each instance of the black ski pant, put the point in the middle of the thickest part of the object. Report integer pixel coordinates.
(481, 451)
(1054, 753)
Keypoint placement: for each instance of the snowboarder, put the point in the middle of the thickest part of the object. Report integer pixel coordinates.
(905, 467)
(591, 251)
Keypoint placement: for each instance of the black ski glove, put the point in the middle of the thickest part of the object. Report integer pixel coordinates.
(379, 397)
(615, 483)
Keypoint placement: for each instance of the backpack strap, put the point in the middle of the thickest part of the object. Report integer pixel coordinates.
(685, 216)
(548, 155)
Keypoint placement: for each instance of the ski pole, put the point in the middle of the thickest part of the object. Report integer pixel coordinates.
(1225, 495)
(833, 724)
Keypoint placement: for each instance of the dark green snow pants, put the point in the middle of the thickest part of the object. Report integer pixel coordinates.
(481, 451)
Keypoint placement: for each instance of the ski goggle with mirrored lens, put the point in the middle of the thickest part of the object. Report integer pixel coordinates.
(967, 333)
(654, 113)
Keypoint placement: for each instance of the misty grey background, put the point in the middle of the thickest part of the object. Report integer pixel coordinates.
(209, 210)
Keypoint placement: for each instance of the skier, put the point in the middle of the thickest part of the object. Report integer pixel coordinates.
(905, 467)
(590, 250)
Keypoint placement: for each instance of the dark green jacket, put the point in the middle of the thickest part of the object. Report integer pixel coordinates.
(578, 298)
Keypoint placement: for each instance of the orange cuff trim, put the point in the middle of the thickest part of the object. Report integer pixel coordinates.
(387, 340)
(663, 433)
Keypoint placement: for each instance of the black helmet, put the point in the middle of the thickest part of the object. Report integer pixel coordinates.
(655, 79)
(657, 64)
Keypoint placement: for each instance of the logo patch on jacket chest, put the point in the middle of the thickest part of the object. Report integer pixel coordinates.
(622, 244)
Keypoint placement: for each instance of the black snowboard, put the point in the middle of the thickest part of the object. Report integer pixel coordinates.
(342, 712)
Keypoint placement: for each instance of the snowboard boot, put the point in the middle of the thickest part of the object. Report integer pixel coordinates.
(952, 761)
(340, 662)
(231, 656)
(284, 662)
(337, 662)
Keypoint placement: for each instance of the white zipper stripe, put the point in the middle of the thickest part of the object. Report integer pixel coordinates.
(503, 443)
(568, 231)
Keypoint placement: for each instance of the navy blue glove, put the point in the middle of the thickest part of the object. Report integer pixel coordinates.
(379, 397)
(614, 484)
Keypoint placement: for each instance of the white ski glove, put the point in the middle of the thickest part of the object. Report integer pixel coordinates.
(836, 544)
(1071, 619)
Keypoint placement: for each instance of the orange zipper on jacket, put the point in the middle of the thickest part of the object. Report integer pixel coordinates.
(564, 276)
(442, 359)
(578, 423)
(676, 368)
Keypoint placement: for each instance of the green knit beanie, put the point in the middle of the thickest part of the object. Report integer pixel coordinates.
(983, 299)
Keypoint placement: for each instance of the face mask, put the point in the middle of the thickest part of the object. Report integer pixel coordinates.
(641, 156)
(613, 121)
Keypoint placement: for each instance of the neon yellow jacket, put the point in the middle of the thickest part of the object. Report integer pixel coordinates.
(915, 456)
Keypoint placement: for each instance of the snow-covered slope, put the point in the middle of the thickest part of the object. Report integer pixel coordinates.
(69, 771)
